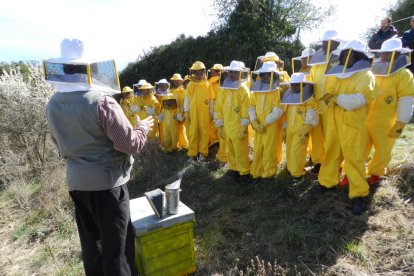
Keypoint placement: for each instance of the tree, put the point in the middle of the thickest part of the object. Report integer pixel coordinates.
(245, 30)
(402, 9)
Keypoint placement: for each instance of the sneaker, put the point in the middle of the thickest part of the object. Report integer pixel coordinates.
(316, 168)
(344, 182)
(318, 189)
(359, 205)
(374, 180)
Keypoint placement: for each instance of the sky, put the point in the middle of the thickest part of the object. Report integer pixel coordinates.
(123, 29)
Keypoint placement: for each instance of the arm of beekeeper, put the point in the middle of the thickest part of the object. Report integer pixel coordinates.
(186, 103)
(275, 114)
(365, 92)
(212, 98)
(244, 105)
(251, 110)
(405, 94)
(218, 109)
(312, 116)
(126, 139)
(157, 105)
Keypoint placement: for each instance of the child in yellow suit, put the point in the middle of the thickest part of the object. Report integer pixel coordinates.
(170, 116)
(149, 106)
(393, 107)
(301, 117)
(177, 90)
(129, 105)
(214, 80)
(162, 88)
(231, 118)
(264, 112)
(198, 99)
(284, 78)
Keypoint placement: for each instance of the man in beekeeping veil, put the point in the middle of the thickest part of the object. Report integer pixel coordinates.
(97, 141)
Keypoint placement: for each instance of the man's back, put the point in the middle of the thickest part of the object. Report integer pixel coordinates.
(92, 161)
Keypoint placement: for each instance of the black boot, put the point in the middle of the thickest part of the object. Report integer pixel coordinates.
(257, 180)
(297, 180)
(318, 189)
(233, 175)
(244, 178)
(359, 205)
(316, 168)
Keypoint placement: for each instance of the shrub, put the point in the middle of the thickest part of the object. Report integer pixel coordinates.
(24, 140)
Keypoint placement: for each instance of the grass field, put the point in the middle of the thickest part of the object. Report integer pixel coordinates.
(241, 229)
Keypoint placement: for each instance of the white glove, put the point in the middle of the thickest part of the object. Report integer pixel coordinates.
(311, 118)
(351, 101)
(272, 117)
(150, 111)
(180, 117)
(135, 108)
(160, 117)
(244, 122)
(405, 109)
(252, 113)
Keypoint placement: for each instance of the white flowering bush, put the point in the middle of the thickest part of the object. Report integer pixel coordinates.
(23, 127)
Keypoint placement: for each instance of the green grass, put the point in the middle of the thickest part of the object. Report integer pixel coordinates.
(356, 249)
(264, 229)
(237, 221)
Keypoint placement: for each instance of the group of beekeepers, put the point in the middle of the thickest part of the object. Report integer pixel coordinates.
(341, 101)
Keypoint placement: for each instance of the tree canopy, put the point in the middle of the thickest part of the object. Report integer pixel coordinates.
(402, 9)
(245, 29)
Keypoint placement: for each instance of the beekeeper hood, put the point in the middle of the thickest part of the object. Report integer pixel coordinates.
(162, 87)
(265, 79)
(323, 48)
(76, 71)
(269, 56)
(297, 61)
(391, 58)
(169, 101)
(145, 89)
(233, 76)
(352, 58)
(136, 86)
(300, 90)
(141, 82)
(216, 68)
(197, 71)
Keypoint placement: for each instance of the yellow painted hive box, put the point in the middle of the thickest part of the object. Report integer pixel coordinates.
(163, 246)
